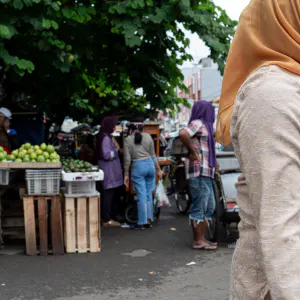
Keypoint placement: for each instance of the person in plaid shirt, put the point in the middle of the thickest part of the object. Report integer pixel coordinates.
(200, 167)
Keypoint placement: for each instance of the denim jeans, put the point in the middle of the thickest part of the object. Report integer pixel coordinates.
(203, 199)
(143, 177)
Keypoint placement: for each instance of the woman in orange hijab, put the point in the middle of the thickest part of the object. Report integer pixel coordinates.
(260, 107)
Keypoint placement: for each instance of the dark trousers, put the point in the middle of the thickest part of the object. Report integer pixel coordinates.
(110, 204)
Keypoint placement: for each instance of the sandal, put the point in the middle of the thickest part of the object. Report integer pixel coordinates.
(206, 247)
(137, 226)
(215, 244)
(111, 223)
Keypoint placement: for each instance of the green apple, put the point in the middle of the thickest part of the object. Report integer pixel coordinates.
(33, 156)
(11, 157)
(43, 146)
(27, 146)
(26, 159)
(39, 152)
(2, 156)
(50, 149)
(21, 155)
(40, 158)
(15, 153)
(46, 155)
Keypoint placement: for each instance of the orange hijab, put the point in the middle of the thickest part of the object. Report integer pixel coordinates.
(268, 34)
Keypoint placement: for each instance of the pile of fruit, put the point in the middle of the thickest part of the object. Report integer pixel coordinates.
(77, 165)
(29, 153)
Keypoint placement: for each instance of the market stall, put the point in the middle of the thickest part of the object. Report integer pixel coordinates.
(60, 207)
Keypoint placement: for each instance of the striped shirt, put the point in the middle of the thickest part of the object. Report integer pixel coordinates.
(199, 168)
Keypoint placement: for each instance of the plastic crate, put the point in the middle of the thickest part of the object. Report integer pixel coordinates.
(4, 176)
(87, 176)
(43, 181)
(80, 189)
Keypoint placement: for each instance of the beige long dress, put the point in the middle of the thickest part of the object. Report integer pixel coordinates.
(265, 129)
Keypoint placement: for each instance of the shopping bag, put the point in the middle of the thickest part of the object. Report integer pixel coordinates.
(161, 195)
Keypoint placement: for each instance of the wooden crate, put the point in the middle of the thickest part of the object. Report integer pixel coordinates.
(38, 207)
(82, 224)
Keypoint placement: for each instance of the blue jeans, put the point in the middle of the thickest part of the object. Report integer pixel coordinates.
(203, 199)
(143, 177)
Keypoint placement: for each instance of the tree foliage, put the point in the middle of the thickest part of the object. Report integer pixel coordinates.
(89, 56)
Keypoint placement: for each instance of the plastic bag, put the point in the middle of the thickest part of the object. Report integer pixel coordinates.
(161, 195)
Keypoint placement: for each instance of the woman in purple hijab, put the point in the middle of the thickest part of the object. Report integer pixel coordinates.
(200, 168)
(109, 161)
(204, 111)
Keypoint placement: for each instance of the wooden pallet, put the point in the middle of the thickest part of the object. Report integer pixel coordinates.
(82, 224)
(44, 216)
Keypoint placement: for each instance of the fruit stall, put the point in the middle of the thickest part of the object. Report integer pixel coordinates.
(58, 207)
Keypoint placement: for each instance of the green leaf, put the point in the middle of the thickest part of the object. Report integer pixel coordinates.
(28, 3)
(149, 2)
(36, 23)
(58, 43)
(91, 109)
(68, 13)
(49, 23)
(121, 8)
(159, 17)
(114, 102)
(46, 23)
(133, 41)
(18, 4)
(55, 6)
(54, 25)
(7, 31)
(15, 61)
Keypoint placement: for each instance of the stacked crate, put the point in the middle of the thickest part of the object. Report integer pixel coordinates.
(82, 212)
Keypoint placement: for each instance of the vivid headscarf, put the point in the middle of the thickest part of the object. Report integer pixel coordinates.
(268, 34)
(204, 111)
(107, 128)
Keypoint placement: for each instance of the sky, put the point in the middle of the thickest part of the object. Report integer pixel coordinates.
(233, 8)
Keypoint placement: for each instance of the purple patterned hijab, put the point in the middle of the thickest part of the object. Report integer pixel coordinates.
(204, 111)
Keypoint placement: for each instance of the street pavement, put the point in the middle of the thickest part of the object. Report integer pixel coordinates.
(150, 264)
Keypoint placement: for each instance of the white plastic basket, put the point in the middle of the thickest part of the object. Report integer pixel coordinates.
(88, 176)
(4, 176)
(43, 181)
(80, 189)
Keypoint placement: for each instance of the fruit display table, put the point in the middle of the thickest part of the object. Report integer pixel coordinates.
(30, 165)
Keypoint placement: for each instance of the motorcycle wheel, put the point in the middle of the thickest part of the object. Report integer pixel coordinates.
(131, 213)
(183, 202)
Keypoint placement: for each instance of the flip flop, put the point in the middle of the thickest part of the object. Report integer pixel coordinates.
(215, 244)
(206, 247)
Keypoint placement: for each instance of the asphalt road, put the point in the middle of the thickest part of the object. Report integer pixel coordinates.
(148, 264)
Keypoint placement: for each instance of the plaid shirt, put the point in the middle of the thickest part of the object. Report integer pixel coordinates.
(199, 168)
